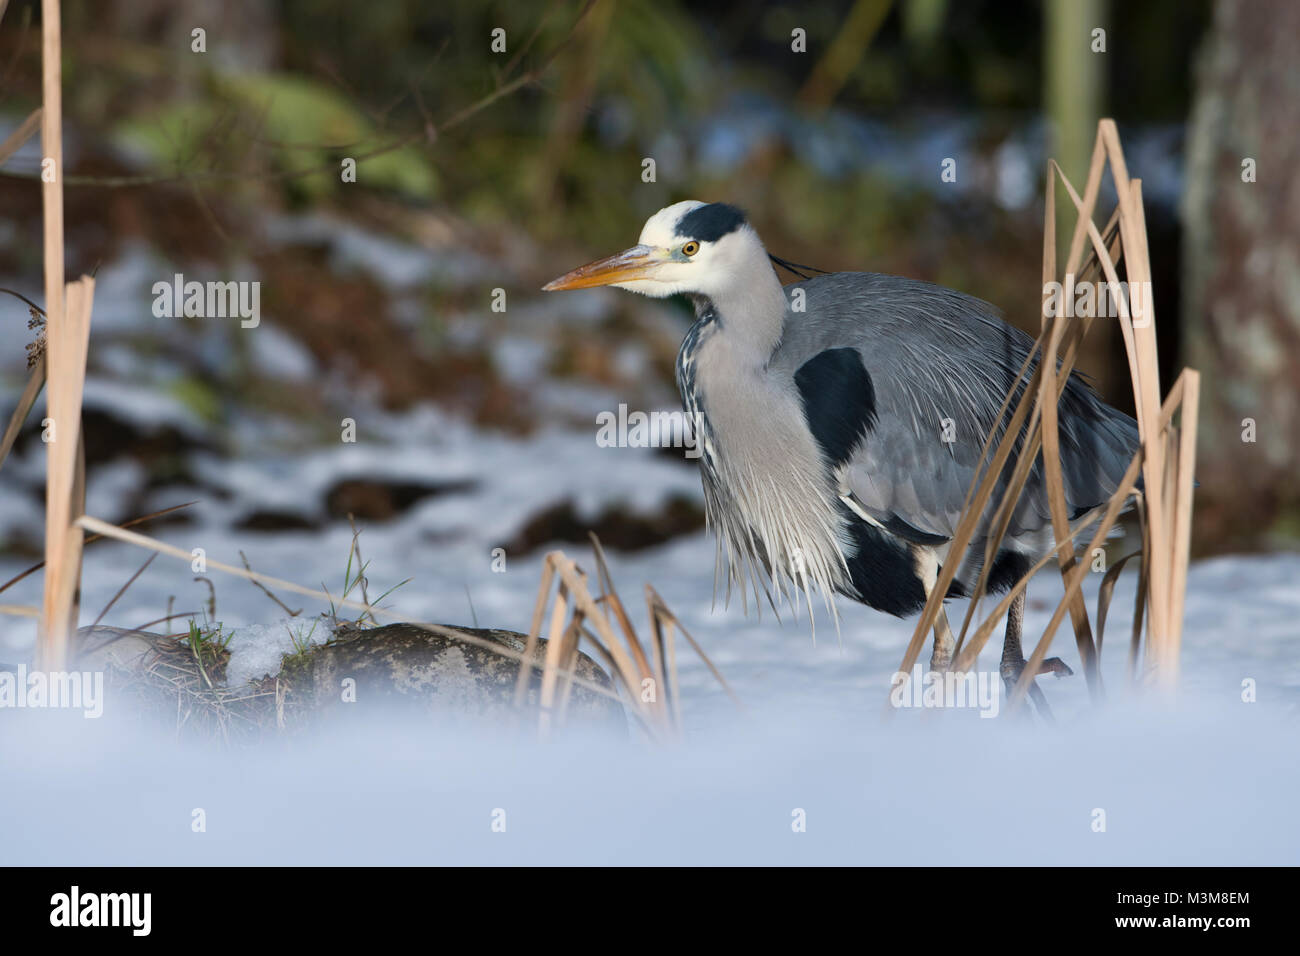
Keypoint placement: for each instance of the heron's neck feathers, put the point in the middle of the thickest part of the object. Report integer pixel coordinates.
(750, 306)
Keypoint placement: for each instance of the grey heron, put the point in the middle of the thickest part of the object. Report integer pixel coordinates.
(842, 420)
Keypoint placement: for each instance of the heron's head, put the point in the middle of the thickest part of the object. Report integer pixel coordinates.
(694, 247)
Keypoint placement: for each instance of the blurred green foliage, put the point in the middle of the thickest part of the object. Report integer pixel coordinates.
(308, 126)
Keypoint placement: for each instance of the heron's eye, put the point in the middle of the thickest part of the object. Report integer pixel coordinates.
(691, 248)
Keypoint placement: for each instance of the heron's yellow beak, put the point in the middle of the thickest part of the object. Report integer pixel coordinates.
(635, 263)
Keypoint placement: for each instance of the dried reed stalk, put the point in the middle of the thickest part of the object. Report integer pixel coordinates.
(67, 342)
(650, 686)
(51, 648)
(1166, 497)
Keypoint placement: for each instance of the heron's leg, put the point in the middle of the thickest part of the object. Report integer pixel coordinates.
(1013, 658)
(927, 569)
(944, 643)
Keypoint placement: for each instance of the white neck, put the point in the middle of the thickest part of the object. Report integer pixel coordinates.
(751, 303)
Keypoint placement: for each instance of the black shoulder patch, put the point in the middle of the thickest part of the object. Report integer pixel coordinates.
(710, 223)
(839, 401)
(896, 525)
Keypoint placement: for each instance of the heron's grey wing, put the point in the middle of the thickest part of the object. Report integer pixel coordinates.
(936, 366)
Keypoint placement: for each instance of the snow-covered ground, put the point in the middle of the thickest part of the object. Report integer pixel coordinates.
(1212, 785)
(1207, 782)
(1243, 613)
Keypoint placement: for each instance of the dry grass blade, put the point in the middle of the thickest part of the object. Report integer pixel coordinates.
(666, 631)
(966, 659)
(610, 595)
(1055, 482)
(1001, 519)
(661, 610)
(984, 484)
(1139, 607)
(613, 639)
(1054, 379)
(72, 595)
(1182, 530)
(551, 663)
(32, 390)
(123, 589)
(119, 635)
(976, 500)
(1086, 205)
(19, 137)
(1167, 486)
(568, 662)
(1002, 516)
(1146, 387)
(1074, 580)
(577, 585)
(267, 591)
(1107, 591)
(534, 631)
(665, 657)
(92, 539)
(658, 645)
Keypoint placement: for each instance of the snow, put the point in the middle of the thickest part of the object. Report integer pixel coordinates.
(257, 649)
(280, 356)
(1206, 782)
(140, 405)
(1200, 788)
(400, 266)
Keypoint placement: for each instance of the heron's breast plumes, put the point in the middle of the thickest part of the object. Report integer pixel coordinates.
(767, 495)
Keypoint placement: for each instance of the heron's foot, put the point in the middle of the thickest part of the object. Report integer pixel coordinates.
(1011, 670)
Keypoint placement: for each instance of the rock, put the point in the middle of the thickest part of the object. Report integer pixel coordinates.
(616, 526)
(112, 648)
(406, 667)
(374, 499)
(397, 667)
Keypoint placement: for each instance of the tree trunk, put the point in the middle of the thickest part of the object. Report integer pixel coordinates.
(1241, 274)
